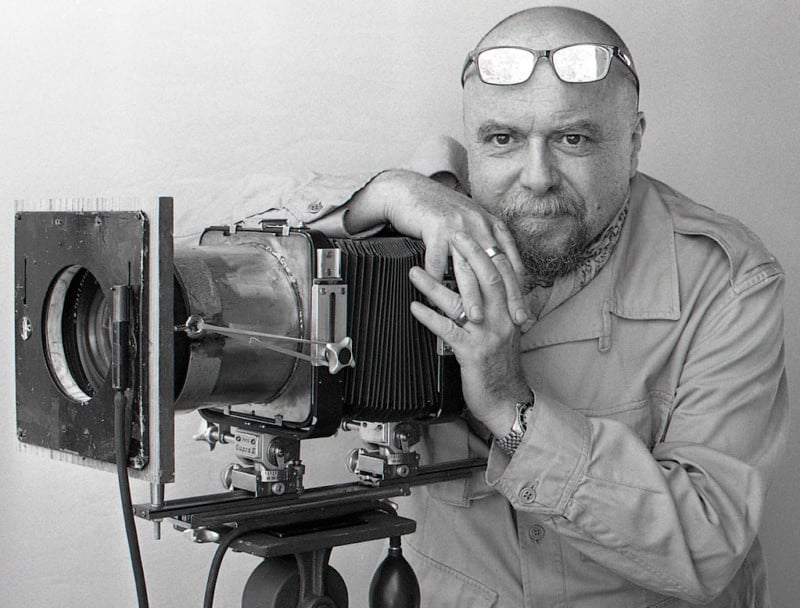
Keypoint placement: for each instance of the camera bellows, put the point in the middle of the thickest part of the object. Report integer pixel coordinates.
(396, 373)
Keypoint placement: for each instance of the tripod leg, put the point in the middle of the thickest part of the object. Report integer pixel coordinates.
(320, 585)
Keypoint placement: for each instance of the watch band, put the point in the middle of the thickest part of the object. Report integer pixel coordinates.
(513, 438)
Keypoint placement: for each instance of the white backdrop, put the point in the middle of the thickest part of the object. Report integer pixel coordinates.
(102, 98)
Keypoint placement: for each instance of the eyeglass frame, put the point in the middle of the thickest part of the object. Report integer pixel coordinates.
(472, 57)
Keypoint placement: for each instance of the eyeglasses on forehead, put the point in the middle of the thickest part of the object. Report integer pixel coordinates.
(574, 63)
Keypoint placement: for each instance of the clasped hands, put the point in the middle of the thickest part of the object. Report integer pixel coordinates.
(482, 322)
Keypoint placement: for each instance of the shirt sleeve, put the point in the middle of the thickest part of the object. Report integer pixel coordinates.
(315, 200)
(299, 200)
(681, 518)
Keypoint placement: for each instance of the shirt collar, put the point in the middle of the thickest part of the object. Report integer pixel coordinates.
(645, 282)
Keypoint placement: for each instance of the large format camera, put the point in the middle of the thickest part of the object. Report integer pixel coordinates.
(274, 334)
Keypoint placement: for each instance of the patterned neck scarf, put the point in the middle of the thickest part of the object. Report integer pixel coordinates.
(591, 262)
(598, 252)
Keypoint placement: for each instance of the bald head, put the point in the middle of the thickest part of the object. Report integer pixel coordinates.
(551, 27)
(553, 157)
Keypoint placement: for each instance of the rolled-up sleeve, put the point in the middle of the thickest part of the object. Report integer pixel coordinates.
(311, 199)
(299, 200)
(680, 518)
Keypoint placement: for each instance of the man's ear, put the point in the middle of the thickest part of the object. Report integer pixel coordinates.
(636, 141)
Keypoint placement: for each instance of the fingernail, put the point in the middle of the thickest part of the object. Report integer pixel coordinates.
(414, 271)
(476, 314)
(501, 226)
(520, 316)
(460, 236)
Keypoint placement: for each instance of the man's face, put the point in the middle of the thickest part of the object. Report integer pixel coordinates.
(552, 159)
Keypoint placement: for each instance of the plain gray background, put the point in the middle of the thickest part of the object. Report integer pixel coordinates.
(102, 98)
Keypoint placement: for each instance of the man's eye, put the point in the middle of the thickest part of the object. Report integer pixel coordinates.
(573, 139)
(501, 139)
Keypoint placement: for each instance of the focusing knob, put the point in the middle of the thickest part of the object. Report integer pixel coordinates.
(339, 355)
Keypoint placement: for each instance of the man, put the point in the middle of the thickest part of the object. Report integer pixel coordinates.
(621, 347)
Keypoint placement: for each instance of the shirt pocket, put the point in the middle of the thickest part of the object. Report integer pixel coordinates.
(592, 579)
(644, 416)
(445, 587)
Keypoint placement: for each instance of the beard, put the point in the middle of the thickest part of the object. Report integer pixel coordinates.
(546, 257)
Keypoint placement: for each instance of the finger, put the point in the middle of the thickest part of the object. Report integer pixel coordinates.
(489, 278)
(514, 300)
(515, 303)
(468, 288)
(446, 300)
(507, 243)
(443, 327)
(436, 253)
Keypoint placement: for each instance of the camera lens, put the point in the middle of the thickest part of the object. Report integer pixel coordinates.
(77, 333)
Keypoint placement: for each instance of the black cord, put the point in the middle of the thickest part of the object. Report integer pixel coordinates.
(213, 572)
(120, 435)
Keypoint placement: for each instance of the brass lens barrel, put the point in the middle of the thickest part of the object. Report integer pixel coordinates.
(242, 287)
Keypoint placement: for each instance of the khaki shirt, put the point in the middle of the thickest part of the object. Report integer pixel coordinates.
(660, 416)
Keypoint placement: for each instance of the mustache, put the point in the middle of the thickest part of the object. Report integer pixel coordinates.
(519, 203)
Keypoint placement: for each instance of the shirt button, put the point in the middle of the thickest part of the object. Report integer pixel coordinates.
(536, 532)
(527, 495)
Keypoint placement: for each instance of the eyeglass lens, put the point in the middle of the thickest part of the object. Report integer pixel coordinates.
(581, 62)
(505, 65)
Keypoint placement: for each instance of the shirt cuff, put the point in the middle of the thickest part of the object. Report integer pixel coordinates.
(321, 196)
(546, 468)
(334, 222)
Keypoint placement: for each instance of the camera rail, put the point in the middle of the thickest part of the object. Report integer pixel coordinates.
(236, 507)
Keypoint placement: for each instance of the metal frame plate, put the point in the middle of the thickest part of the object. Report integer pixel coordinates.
(118, 244)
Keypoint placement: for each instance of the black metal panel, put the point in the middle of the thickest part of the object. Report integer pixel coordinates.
(111, 247)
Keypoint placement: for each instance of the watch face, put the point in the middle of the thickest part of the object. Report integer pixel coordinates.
(521, 423)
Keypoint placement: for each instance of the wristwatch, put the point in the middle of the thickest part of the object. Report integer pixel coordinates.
(513, 438)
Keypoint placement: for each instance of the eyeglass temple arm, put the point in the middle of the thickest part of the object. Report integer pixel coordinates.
(628, 64)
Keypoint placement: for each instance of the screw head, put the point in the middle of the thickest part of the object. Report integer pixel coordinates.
(25, 328)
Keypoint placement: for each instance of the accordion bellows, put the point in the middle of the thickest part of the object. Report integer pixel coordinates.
(395, 375)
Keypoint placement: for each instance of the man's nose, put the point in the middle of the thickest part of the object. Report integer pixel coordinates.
(539, 173)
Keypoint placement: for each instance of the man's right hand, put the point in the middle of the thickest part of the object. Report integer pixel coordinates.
(422, 208)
